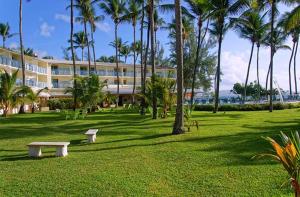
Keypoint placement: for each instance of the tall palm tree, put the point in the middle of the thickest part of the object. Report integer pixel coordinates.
(72, 51)
(294, 33)
(279, 37)
(115, 9)
(249, 26)
(158, 23)
(152, 52)
(199, 11)
(22, 110)
(132, 15)
(273, 13)
(79, 40)
(93, 19)
(143, 82)
(4, 32)
(178, 127)
(84, 7)
(219, 14)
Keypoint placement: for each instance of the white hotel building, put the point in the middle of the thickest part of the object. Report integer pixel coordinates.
(58, 74)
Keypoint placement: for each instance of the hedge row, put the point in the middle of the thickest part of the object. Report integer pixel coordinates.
(248, 107)
(63, 103)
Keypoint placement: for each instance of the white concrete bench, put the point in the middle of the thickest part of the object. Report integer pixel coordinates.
(91, 135)
(35, 148)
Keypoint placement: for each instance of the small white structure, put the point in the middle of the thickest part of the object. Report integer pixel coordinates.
(91, 135)
(35, 148)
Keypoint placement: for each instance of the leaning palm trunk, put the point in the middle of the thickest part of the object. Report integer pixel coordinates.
(257, 72)
(179, 120)
(196, 66)
(248, 70)
(295, 74)
(154, 99)
(73, 55)
(88, 47)
(22, 110)
(290, 66)
(117, 63)
(142, 71)
(146, 56)
(93, 47)
(134, 64)
(217, 88)
(272, 53)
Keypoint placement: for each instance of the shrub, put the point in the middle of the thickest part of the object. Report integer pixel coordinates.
(63, 103)
(247, 107)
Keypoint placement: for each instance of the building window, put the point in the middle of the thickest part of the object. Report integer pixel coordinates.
(124, 81)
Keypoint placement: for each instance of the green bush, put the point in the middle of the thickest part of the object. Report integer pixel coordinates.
(248, 107)
(63, 103)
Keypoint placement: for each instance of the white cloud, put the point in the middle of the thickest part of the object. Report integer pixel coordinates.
(46, 29)
(105, 27)
(62, 17)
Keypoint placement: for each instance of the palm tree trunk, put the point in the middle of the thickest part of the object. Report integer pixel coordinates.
(217, 88)
(88, 47)
(154, 99)
(141, 52)
(257, 72)
(22, 110)
(146, 55)
(179, 121)
(197, 61)
(295, 70)
(117, 63)
(290, 66)
(73, 55)
(93, 48)
(272, 53)
(134, 64)
(82, 54)
(248, 70)
(3, 41)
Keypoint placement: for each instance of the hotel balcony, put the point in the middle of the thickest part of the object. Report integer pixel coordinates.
(61, 72)
(17, 64)
(32, 83)
(62, 84)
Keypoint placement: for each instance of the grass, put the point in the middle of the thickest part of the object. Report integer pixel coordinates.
(137, 156)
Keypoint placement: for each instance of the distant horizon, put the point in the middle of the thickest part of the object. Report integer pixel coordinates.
(47, 30)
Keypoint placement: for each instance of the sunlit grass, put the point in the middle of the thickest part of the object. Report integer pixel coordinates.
(137, 156)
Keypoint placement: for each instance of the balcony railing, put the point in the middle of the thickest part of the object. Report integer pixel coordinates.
(61, 72)
(62, 84)
(17, 64)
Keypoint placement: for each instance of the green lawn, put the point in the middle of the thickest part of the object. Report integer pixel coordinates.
(137, 156)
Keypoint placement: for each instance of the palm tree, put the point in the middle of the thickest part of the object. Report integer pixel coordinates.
(72, 52)
(29, 52)
(22, 110)
(219, 13)
(273, 12)
(125, 51)
(178, 127)
(152, 52)
(10, 94)
(279, 37)
(132, 16)
(199, 10)
(115, 9)
(92, 20)
(4, 32)
(143, 77)
(294, 32)
(33, 97)
(85, 13)
(79, 39)
(119, 45)
(249, 26)
(158, 23)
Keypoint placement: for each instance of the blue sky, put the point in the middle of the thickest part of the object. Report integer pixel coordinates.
(46, 29)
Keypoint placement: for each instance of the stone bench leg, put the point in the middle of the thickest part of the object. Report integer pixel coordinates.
(91, 138)
(62, 151)
(35, 151)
